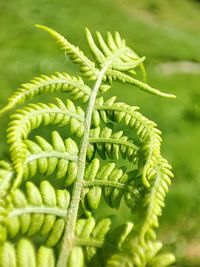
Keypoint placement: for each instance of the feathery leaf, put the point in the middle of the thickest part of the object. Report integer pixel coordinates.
(106, 143)
(32, 117)
(44, 158)
(111, 182)
(58, 82)
(38, 210)
(23, 254)
(75, 54)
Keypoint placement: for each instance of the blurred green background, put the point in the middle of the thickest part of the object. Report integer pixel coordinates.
(168, 34)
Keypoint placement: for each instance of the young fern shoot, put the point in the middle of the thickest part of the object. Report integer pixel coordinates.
(55, 218)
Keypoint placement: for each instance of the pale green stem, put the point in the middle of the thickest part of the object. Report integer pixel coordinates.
(69, 238)
(113, 141)
(51, 154)
(143, 86)
(41, 210)
(104, 183)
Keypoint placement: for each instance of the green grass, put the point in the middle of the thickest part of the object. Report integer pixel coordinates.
(162, 31)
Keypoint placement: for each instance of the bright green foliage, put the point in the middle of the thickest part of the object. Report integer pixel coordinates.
(114, 183)
(54, 219)
(24, 254)
(37, 210)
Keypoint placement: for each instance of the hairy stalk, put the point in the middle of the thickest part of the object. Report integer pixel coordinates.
(118, 185)
(54, 154)
(41, 210)
(71, 218)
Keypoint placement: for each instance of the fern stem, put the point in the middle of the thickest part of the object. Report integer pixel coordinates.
(143, 86)
(68, 238)
(113, 141)
(51, 154)
(112, 184)
(41, 210)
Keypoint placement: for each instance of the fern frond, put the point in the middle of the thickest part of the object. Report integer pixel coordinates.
(144, 128)
(58, 82)
(90, 236)
(121, 59)
(124, 78)
(162, 260)
(24, 254)
(66, 219)
(38, 210)
(111, 182)
(120, 260)
(32, 117)
(154, 199)
(3, 216)
(44, 158)
(126, 59)
(108, 144)
(143, 245)
(75, 54)
(6, 175)
(150, 255)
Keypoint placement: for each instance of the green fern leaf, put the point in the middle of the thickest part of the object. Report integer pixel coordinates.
(126, 59)
(162, 260)
(58, 82)
(39, 210)
(150, 255)
(111, 182)
(44, 158)
(124, 78)
(6, 175)
(75, 54)
(144, 128)
(32, 117)
(91, 235)
(145, 257)
(154, 199)
(105, 143)
(24, 254)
